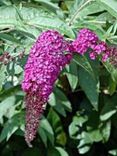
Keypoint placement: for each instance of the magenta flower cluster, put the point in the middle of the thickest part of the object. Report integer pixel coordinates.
(88, 41)
(45, 61)
(85, 40)
(48, 56)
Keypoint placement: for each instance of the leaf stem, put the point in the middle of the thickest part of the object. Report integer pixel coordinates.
(77, 12)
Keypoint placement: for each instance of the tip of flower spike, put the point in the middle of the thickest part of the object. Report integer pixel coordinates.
(29, 144)
(34, 110)
(28, 139)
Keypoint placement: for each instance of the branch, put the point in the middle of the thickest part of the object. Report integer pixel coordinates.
(77, 12)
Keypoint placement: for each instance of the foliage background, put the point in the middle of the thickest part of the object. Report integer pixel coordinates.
(80, 118)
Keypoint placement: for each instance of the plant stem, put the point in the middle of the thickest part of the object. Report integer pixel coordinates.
(76, 13)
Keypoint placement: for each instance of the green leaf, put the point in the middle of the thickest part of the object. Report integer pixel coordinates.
(94, 7)
(73, 129)
(83, 62)
(77, 122)
(52, 99)
(6, 2)
(109, 108)
(112, 86)
(42, 135)
(61, 138)
(44, 124)
(18, 69)
(32, 18)
(106, 130)
(95, 135)
(55, 121)
(113, 152)
(48, 5)
(8, 37)
(85, 143)
(6, 105)
(61, 97)
(72, 75)
(90, 86)
(107, 112)
(59, 101)
(84, 149)
(74, 5)
(110, 6)
(7, 17)
(87, 139)
(52, 23)
(62, 151)
(9, 92)
(11, 126)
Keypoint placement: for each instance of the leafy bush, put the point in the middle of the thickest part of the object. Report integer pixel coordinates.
(80, 118)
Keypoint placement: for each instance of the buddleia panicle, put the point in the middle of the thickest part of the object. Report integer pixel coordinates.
(48, 56)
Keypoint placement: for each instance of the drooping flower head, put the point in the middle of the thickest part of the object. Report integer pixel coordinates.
(85, 39)
(88, 40)
(45, 61)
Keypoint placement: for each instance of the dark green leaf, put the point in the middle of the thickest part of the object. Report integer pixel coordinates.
(53, 152)
(72, 75)
(46, 127)
(33, 152)
(109, 108)
(9, 92)
(90, 86)
(59, 101)
(42, 135)
(83, 62)
(55, 121)
(11, 126)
